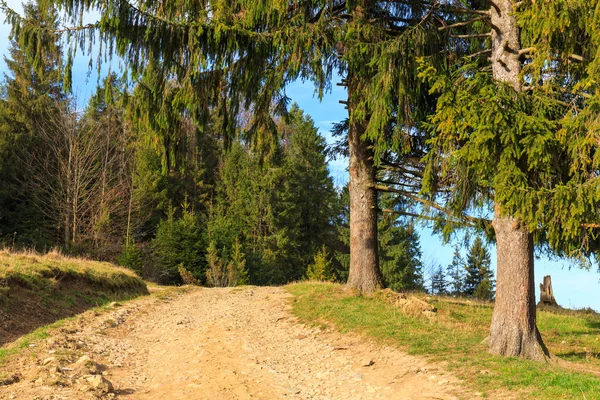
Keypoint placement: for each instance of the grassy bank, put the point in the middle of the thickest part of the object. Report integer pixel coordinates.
(38, 290)
(455, 336)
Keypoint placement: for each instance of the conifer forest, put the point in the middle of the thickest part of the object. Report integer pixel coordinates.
(191, 164)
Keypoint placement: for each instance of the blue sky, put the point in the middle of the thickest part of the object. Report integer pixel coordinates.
(573, 287)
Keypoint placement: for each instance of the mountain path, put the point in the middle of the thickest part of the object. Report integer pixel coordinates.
(221, 344)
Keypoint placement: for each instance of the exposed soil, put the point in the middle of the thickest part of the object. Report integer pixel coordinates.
(23, 309)
(216, 344)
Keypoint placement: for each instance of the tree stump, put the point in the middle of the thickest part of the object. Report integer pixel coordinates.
(546, 294)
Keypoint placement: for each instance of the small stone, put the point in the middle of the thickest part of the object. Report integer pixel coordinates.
(100, 383)
(443, 382)
(49, 360)
(82, 360)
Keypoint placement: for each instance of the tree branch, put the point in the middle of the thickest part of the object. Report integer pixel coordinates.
(431, 204)
(459, 24)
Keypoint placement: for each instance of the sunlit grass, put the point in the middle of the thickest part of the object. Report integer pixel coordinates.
(455, 335)
(43, 272)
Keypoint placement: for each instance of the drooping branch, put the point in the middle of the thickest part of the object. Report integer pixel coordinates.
(464, 23)
(76, 28)
(424, 217)
(460, 10)
(432, 204)
(472, 36)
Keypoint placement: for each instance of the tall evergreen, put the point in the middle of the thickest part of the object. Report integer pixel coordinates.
(32, 92)
(439, 285)
(456, 274)
(478, 270)
(511, 135)
(230, 55)
(399, 248)
(280, 205)
(399, 252)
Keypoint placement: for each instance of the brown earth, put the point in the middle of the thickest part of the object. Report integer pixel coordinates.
(23, 310)
(216, 344)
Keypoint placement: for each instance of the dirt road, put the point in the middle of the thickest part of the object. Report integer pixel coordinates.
(220, 344)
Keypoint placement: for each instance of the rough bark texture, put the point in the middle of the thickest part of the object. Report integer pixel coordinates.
(513, 331)
(506, 65)
(364, 259)
(546, 293)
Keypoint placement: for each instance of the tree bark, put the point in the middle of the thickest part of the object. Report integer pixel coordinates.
(364, 272)
(546, 293)
(513, 331)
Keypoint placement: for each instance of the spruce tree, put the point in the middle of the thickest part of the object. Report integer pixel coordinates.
(477, 267)
(32, 92)
(510, 135)
(179, 242)
(229, 55)
(438, 282)
(399, 251)
(281, 205)
(456, 274)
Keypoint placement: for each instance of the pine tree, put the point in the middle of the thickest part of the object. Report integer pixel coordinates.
(509, 132)
(229, 55)
(477, 267)
(438, 282)
(306, 191)
(280, 205)
(399, 252)
(456, 274)
(321, 268)
(31, 94)
(179, 242)
(399, 248)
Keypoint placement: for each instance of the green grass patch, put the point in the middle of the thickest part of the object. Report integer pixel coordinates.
(36, 290)
(455, 336)
(44, 272)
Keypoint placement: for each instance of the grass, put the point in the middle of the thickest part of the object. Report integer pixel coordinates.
(45, 272)
(454, 336)
(37, 290)
(29, 339)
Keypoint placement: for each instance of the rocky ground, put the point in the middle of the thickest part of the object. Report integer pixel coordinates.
(216, 344)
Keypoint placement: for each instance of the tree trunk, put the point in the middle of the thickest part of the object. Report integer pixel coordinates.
(364, 258)
(546, 293)
(514, 331)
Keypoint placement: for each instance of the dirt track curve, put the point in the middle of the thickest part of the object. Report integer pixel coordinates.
(223, 344)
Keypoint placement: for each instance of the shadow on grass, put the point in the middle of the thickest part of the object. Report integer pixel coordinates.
(24, 309)
(579, 355)
(594, 325)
